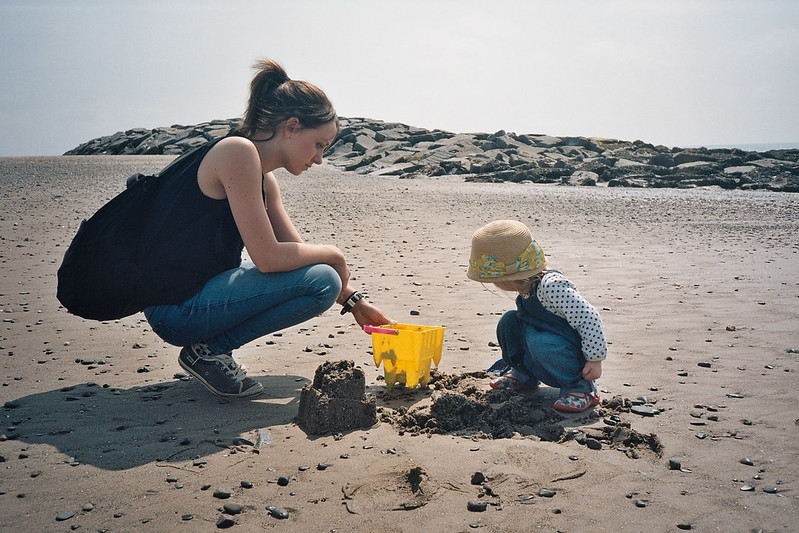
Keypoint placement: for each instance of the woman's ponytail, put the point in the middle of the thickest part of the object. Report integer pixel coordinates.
(274, 98)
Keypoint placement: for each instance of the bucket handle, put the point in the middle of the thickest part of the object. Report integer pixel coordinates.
(384, 331)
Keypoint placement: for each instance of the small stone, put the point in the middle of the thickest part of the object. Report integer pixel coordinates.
(747, 487)
(283, 481)
(186, 517)
(770, 490)
(233, 508)
(246, 484)
(546, 493)
(747, 461)
(321, 466)
(476, 506)
(64, 516)
(278, 512)
(222, 494)
(478, 478)
(703, 364)
(643, 410)
(685, 527)
(701, 436)
(674, 464)
(640, 503)
(225, 522)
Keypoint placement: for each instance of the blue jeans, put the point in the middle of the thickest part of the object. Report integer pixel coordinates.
(243, 304)
(543, 355)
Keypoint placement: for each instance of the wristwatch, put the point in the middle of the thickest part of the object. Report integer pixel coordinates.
(350, 302)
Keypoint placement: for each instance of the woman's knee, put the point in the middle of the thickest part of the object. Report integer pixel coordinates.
(326, 283)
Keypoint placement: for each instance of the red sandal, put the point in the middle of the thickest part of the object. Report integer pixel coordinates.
(576, 402)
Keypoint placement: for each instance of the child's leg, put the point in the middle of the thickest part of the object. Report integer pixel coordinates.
(243, 304)
(555, 362)
(510, 334)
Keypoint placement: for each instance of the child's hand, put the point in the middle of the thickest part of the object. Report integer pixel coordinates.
(592, 370)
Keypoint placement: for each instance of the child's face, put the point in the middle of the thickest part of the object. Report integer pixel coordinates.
(513, 286)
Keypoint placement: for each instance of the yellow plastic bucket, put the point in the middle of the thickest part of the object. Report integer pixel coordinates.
(406, 352)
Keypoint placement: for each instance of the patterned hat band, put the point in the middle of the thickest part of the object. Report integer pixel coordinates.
(487, 267)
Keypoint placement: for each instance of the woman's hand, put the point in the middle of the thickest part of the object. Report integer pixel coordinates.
(366, 314)
(592, 370)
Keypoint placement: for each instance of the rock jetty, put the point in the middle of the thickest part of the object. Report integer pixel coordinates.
(377, 148)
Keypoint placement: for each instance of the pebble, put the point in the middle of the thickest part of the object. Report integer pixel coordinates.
(747, 461)
(233, 508)
(747, 487)
(283, 481)
(476, 506)
(478, 478)
(64, 516)
(278, 512)
(546, 493)
(225, 522)
(246, 484)
(186, 517)
(222, 494)
(643, 410)
(674, 464)
(640, 503)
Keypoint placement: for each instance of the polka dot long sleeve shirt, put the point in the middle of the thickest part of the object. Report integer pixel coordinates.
(559, 295)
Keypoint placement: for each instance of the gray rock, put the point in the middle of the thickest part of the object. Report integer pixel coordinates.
(375, 148)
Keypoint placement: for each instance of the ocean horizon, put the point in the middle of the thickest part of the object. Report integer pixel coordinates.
(752, 147)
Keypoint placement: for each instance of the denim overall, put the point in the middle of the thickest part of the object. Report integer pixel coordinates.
(543, 345)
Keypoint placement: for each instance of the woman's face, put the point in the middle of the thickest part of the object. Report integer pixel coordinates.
(307, 145)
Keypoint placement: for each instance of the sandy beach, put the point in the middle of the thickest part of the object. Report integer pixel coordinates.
(699, 294)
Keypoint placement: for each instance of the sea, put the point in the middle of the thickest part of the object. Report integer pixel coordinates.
(755, 147)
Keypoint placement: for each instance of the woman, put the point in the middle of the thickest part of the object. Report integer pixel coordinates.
(230, 199)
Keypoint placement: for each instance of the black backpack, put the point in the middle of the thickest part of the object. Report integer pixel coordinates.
(98, 277)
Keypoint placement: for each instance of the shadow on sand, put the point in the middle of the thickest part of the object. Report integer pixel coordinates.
(118, 429)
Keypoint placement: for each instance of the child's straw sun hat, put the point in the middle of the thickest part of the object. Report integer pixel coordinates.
(504, 250)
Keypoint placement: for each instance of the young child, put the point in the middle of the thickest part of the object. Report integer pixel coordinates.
(554, 336)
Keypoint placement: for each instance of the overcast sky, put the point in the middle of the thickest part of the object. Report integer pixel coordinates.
(678, 73)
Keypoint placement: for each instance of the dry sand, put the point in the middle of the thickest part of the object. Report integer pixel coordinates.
(99, 434)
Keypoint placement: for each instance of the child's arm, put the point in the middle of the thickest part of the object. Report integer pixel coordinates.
(559, 295)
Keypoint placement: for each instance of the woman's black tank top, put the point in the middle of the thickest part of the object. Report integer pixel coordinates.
(189, 237)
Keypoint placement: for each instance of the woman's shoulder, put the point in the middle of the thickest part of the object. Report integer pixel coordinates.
(236, 154)
(235, 145)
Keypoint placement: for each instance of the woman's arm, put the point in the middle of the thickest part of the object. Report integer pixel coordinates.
(281, 222)
(232, 169)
